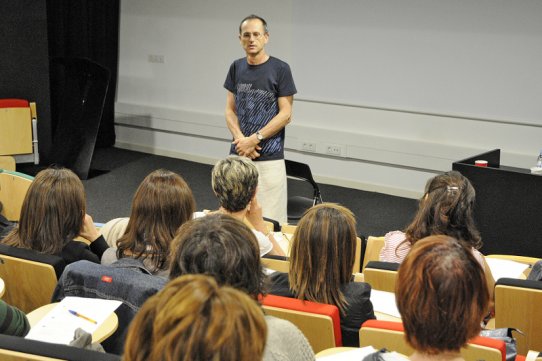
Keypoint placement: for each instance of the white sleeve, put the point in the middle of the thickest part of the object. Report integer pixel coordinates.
(265, 244)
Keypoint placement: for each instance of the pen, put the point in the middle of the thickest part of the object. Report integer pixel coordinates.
(75, 313)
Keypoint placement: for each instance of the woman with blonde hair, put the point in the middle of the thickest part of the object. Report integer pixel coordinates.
(193, 318)
(53, 214)
(235, 182)
(321, 261)
(162, 203)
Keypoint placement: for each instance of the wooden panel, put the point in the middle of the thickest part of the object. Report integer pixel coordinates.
(13, 189)
(276, 264)
(7, 355)
(15, 131)
(395, 341)
(29, 284)
(7, 162)
(381, 338)
(372, 251)
(520, 308)
(383, 280)
(318, 329)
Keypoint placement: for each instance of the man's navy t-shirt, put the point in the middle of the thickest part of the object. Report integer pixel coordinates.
(257, 89)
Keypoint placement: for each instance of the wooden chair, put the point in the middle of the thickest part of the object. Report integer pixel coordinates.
(13, 188)
(30, 277)
(280, 264)
(320, 323)
(7, 162)
(19, 130)
(390, 335)
(372, 250)
(381, 275)
(517, 305)
(14, 348)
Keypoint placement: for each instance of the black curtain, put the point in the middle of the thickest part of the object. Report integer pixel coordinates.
(85, 29)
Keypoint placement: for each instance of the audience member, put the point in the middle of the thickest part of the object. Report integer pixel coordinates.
(12, 321)
(321, 261)
(53, 214)
(193, 318)
(226, 249)
(235, 181)
(162, 203)
(442, 295)
(446, 208)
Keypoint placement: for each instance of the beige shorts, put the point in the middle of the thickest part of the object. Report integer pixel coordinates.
(272, 189)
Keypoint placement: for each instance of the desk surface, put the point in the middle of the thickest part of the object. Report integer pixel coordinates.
(105, 330)
(2, 287)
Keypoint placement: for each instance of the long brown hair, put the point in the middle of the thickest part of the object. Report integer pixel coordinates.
(52, 212)
(162, 203)
(442, 295)
(446, 208)
(193, 318)
(322, 254)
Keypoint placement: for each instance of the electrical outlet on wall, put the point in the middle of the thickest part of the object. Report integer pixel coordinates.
(334, 149)
(308, 147)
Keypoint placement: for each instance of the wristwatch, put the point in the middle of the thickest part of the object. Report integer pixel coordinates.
(259, 136)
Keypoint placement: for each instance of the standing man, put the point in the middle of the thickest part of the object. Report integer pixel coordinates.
(258, 108)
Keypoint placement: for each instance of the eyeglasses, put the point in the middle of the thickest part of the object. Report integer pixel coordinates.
(248, 36)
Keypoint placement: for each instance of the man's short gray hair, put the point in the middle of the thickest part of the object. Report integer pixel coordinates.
(234, 182)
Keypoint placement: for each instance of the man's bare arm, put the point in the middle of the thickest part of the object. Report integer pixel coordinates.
(231, 117)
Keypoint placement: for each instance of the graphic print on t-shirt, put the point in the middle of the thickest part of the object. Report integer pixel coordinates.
(255, 108)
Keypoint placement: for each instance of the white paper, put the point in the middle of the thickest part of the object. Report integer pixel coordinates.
(505, 268)
(384, 302)
(59, 325)
(350, 355)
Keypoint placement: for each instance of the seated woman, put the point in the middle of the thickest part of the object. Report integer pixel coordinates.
(321, 261)
(220, 246)
(193, 318)
(445, 208)
(235, 181)
(53, 214)
(442, 295)
(162, 203)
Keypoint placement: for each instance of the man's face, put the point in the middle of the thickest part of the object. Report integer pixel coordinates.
(253, 36)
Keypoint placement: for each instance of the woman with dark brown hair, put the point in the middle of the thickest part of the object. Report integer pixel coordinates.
(223, 247)
(442, 295)
(445, 208)
(53, 214)
(162, 203)
(321, 261)
(193, 318)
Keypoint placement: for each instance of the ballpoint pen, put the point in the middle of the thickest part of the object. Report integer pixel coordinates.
(75, 313)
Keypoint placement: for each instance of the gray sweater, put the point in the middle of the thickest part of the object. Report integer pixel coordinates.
(285, 342)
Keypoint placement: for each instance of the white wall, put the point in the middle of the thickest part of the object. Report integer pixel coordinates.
(391, 142)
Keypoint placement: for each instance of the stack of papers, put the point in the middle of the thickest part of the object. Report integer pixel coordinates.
(59, 325)
(384, 302)
(505, 268)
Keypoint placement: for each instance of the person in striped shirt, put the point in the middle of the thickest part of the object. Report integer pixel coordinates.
(12, 321)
